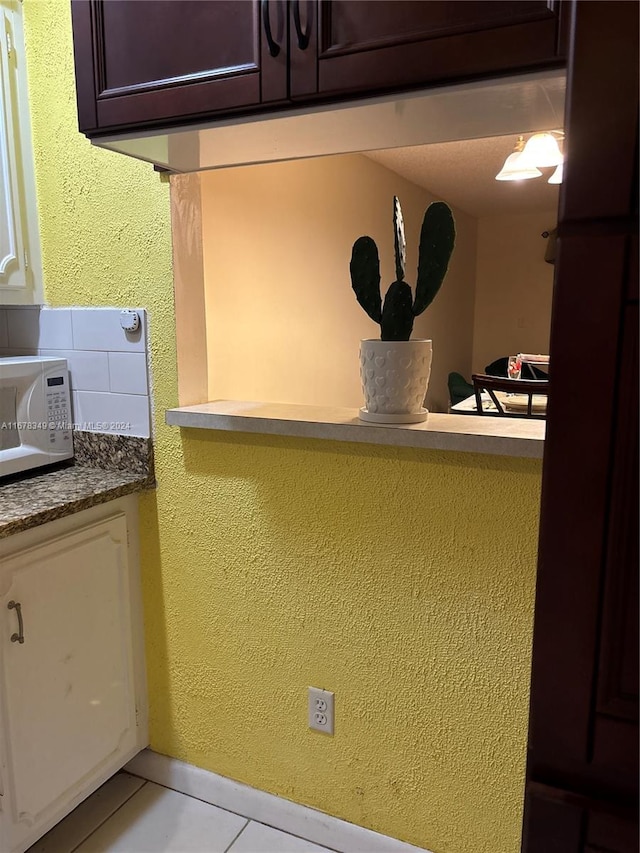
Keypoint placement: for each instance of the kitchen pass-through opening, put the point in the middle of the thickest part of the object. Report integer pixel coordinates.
(264, 305)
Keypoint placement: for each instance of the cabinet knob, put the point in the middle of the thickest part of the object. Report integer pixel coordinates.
(19, 637)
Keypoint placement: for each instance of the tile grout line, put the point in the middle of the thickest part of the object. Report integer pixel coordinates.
(227, 849)
(115, 811)
(248, 819)
(109, 371)
(73, 342)
(193, 797)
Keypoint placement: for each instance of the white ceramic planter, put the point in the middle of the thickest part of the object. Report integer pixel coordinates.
(395, 377)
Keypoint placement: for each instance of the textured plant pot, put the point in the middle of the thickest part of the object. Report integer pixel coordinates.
(395, 377)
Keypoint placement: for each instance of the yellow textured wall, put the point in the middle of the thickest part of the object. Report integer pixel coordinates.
(402, 580)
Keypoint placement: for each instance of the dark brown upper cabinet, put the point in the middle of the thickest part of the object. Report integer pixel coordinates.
(171, 62)
(373, 46)
(164, 62)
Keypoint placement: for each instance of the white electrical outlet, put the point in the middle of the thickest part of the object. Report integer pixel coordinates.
(321, 710)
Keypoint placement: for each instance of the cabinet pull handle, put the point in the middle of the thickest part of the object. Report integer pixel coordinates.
(19, 637)
(303, 38)
(274, 47)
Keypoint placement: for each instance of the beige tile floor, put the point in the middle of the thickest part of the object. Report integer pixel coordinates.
(129, 815)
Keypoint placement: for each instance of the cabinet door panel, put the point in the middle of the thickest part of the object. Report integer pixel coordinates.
(67, 690)
(369, 24)
(20, 274)
(161, 43)
(167, 61)
(559, 822)
(379, 45)
(583, 731)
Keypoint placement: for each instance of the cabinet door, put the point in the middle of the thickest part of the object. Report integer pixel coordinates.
(380, 45)
(558, 822)
(583, 733)
(164, 61)
(20, 271)
(68, 699)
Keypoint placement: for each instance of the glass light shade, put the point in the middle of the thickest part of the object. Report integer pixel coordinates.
(556, 178)
(542, 150)
(515, 169)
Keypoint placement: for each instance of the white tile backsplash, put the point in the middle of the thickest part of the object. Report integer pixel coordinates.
(123, 414)
(88, 371)
(128, 373)
(23, 328)
(107, 366)
(55, 328)
(99, 329)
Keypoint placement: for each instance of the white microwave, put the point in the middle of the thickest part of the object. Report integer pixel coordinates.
(35, 413)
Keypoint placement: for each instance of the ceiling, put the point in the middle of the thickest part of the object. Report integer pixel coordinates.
(463, 174)
(387, 124)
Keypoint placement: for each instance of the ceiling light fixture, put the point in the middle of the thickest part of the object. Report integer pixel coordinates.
(514, 168)
(556, 178)
(541, 151)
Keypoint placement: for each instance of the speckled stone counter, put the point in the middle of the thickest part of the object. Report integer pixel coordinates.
(105, 467)
(466, 433)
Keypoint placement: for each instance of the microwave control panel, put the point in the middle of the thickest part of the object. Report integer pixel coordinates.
(58, 409)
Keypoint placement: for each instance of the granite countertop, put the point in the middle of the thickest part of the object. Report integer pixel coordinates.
(105, 467)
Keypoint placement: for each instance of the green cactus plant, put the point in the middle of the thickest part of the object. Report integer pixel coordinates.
(396, 315)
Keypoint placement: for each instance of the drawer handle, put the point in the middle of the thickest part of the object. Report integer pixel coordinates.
(274, 47)
(19, 637)
(303, 38)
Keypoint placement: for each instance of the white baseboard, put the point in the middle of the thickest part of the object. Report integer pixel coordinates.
(265, 808)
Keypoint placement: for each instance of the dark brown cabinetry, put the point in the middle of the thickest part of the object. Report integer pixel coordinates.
(371, 45)
(167, 62)
(582, 789)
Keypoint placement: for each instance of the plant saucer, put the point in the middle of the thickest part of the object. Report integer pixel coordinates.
(381, 418)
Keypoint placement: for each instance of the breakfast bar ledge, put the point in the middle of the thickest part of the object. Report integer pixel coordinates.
(499, 436)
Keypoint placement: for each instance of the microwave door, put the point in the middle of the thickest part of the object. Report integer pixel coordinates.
(9, 436)
(35, 413)
(25, 446)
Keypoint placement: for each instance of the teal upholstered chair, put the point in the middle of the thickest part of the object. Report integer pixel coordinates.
(459, 388)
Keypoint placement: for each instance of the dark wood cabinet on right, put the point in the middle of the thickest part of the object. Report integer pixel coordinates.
(582, 790)
(371, 46)
(167, 62)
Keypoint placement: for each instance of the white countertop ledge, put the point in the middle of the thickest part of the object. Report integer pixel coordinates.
(499, 436)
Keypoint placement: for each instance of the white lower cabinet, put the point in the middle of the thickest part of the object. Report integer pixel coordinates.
(72, 709)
